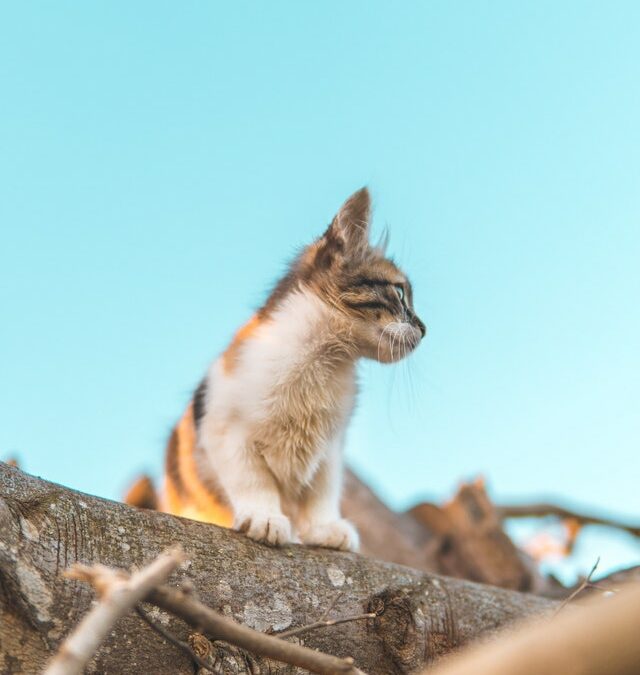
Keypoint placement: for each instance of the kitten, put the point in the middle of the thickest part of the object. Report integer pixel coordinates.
(259, 448)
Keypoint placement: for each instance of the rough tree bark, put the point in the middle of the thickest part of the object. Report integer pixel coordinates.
(44, 528)
(463, 538)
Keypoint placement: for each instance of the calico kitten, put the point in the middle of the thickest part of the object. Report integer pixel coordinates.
(260, 445)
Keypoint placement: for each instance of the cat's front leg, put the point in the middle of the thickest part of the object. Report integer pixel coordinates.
(263, 524)
(318, 521)
(252, 491)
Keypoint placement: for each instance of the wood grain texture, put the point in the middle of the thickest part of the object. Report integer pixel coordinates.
(44, 528)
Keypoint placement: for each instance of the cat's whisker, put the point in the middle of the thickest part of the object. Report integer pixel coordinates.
(399, 335)
(396, 336)
(405, 345)
(388, 327)
(392, 333)
(409, 380)
(380, 342)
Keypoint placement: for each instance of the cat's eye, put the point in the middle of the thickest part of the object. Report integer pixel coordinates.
(400, 292)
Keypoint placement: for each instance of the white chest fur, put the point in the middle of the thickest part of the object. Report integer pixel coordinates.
(290, 394)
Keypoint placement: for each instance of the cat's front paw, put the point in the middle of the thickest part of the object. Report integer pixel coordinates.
(268, 528)
(339, 534)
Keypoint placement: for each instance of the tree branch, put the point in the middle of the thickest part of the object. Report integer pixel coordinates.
(218, 627)
(542, 509)
(323, 623)
(598, 637)
(118, 595)
(46, 528)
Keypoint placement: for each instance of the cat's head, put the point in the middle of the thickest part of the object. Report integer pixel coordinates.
(369, 295)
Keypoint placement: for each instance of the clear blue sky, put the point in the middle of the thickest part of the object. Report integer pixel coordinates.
(159, 162)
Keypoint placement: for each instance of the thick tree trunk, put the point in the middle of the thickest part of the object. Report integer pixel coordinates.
(44, 528)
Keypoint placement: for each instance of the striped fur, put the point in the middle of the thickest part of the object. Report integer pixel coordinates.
(260, 446)
(189, 489)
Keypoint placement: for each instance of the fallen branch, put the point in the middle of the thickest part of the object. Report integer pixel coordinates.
(542, 510)
(118, 594)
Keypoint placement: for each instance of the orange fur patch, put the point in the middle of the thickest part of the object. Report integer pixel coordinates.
(171, 502)
(200, 504)
(230, 356)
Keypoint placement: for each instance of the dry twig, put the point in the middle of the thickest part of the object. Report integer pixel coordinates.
(322, 623)
(219, 627)
(586, 582)
(324, 620)
(339, 595)
(119, 593)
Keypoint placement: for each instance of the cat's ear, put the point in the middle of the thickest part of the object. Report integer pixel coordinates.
(349, 229)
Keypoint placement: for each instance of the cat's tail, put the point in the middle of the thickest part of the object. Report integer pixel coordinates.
(142, 494)
(187, 490)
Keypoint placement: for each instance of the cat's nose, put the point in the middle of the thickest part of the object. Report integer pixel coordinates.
(415, 321)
